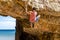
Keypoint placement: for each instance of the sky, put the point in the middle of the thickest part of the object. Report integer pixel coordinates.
(7, 22)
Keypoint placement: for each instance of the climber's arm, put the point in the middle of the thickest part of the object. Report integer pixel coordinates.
(29, 12)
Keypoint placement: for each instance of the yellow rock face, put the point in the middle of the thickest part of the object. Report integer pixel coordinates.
(16, 8)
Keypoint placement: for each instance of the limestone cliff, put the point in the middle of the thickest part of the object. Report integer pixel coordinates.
(49, 21)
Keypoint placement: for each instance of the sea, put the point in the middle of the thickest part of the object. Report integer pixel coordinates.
(7, 34)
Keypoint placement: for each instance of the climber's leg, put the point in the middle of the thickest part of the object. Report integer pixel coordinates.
(32, 25)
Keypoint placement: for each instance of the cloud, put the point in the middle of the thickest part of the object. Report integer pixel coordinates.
(7, 23)
(6, 18)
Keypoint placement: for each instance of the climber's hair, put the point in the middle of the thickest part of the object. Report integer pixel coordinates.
(34, 8)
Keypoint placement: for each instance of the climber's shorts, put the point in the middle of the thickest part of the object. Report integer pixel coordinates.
(37, 18)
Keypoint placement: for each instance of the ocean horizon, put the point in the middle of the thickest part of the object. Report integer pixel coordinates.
(7, 34)
(7, 29)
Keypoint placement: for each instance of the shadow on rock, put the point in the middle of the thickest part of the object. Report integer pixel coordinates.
(27, 36)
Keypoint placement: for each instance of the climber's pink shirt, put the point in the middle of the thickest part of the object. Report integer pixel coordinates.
(33, 16)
